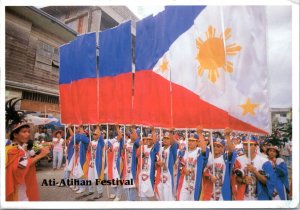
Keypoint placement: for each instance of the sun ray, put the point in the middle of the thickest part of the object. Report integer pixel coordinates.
(209, 74)
(198, 57)
(199, 43)
(200, 71)
(227, 34)
(213, 75)
(210, 32)
(233, 49)
(228, 67)
(230, 45)
(217, 73)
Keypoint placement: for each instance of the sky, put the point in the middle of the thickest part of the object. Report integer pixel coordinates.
(279, 50)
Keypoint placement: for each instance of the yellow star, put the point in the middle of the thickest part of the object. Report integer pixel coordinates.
(164, 66)
(248, 107)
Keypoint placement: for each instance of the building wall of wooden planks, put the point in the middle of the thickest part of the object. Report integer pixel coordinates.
(31, 54)
(46, 108)
(31, 60)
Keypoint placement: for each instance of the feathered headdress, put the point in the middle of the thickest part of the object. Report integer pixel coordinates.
(14, 119)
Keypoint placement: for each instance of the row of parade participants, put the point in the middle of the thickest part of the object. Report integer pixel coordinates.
(165, 165)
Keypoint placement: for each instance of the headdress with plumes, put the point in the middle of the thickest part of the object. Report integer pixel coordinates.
(14, 119)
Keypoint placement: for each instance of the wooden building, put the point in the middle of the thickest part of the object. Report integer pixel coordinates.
(32, 40)
(85, 19)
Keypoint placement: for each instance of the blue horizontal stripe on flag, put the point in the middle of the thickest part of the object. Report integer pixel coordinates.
(155, 35)
(115, 52)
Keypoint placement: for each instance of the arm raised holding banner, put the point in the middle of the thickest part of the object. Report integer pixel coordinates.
(203, 143)
(230, 146)
(119, 136)
(70, 130)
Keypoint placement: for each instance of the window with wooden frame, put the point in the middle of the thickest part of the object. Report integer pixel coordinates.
(47, 56)
(34, 96)
(44, 53)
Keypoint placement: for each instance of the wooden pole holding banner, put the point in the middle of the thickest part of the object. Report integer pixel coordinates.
(65, 134)
(125, 156)
(74, 161)
(65, 151)
(107, 137)
(186, 139)
(249, 156)
(161, 156)
(90, 141)
(140, 175)
(161, 142)
(187, 155)
(90, 133)
(213, 161)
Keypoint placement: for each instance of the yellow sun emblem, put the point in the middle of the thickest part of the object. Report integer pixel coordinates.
(211, 53)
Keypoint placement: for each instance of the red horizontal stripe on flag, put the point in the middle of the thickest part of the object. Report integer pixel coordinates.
(152, 100)
(115, 102)
(152, 106)
(65, 100)
(189, 111)
(85, 93)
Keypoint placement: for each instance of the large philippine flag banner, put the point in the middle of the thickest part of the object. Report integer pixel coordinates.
(65, 96)
(115, 75)
(203, 65)
(78, 81)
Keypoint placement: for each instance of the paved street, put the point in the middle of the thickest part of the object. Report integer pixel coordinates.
(54, 193)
